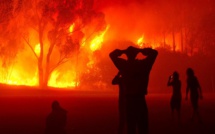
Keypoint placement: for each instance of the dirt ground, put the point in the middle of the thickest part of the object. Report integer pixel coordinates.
(25, 112)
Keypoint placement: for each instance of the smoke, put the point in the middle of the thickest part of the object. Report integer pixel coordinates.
(129, 22)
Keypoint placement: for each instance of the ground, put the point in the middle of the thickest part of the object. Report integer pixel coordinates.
(90, 112)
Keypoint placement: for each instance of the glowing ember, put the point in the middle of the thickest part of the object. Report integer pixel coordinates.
(140, 41)
(71, 28)
(37, 49)
(90, 63)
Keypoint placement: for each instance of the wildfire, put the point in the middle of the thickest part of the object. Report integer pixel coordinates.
(25, 70)
(141, 42)
(68, 80)
(98, 40)
(14, 77)
(18, 75)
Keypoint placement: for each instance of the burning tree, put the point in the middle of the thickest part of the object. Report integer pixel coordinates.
(54, 30)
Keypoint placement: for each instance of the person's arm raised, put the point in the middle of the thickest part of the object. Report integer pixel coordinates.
(169, 83)
(114, 55)
(150, 53)
(116, 80)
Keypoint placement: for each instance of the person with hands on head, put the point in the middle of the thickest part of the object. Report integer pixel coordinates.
(135, 76)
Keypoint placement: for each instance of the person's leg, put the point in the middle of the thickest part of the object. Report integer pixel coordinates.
(121, 120)
(131, 126)
(172, 109)
(142, 124)
(178, 108)
(196, 111)
(131, 116)
(122, 117)
(194, 101)
(178, 116)
(121, 127)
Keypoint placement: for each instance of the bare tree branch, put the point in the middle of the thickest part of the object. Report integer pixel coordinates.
(60, 62)
(32, 49)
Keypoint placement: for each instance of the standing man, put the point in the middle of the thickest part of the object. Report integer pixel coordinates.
(135, 75)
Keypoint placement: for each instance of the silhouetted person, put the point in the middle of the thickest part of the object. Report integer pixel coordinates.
(122, 100)
(194, 88)
(135, 76)
(56, 120)
(175, 102)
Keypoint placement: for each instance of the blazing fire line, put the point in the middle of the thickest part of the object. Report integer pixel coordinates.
(54, 39)
(58, 43)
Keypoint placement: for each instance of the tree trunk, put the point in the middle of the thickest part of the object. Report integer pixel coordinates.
(164, 40)
(173, 40)
(47, 68)
(40, 59)
(186, 40)
(182, 41)
(46, 79)
(40, 72)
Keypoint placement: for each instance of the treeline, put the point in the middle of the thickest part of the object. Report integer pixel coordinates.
(166, 63)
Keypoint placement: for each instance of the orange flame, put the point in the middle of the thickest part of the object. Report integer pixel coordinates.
(68, 80)
(18, 75)
(71, 28)
(140, 41)
(37, 49)
(98, 40)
